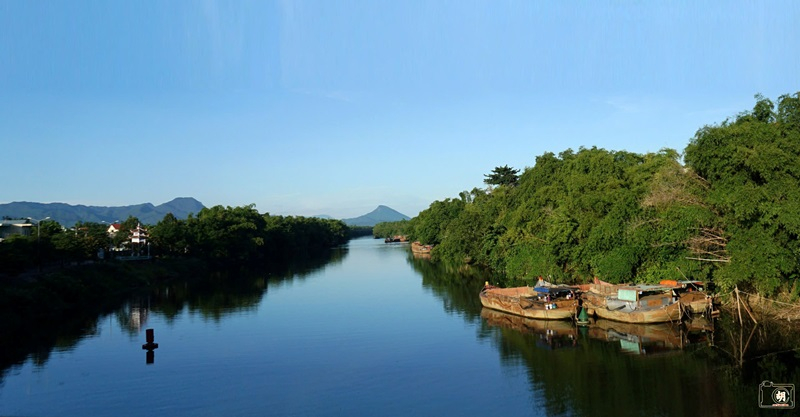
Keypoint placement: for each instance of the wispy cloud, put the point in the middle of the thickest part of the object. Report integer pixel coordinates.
(625, 104)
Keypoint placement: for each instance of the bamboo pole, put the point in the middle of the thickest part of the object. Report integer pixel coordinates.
(738, 305)
(741, 348)
(684, 275)
(747, 309)
(752, 332)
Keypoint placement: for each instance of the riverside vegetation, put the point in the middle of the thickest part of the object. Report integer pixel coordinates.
(36, 289)
(218, 235)
(726, 211)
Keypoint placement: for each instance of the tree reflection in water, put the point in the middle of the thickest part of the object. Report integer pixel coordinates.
(211, 294)
(699, 368)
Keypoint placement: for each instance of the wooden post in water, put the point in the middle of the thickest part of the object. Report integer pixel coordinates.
(150, 345)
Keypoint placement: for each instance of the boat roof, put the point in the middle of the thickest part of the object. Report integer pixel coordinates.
(563, 288)
(646, 287)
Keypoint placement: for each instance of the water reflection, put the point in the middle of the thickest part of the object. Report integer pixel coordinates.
(551, 334)
(640, 339)
(211, 294)
(606, 368)
(456, 286)
(374, 343)
(637, 339)
(700, 368)
(133, 316)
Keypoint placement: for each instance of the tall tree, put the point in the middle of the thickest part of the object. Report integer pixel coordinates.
(503, 175)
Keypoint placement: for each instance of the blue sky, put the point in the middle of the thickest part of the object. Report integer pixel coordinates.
(334, 107)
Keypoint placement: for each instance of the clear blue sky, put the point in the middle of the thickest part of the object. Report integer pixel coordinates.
(334, 107)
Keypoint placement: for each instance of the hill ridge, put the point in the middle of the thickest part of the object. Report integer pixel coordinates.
(69, 214)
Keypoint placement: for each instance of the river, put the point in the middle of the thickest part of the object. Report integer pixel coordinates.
(374, 331)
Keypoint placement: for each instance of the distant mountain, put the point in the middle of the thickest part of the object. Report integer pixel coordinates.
(379, 215)
(68, 215)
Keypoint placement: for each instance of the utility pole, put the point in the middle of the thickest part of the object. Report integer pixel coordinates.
(38, 239)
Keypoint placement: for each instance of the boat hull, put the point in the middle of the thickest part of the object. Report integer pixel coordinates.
(669, 313)
(521, 301)
(421, 249)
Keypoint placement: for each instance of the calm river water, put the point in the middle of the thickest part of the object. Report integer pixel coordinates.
(371, 332)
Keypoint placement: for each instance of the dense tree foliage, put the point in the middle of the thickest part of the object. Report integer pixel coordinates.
(358, 231)
(752, 166)
(627, 217)
(241, 234)
(390, 229)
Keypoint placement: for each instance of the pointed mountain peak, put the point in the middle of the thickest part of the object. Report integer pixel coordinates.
(379, 215)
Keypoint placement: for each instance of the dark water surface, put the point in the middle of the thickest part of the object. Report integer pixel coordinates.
(375, 332)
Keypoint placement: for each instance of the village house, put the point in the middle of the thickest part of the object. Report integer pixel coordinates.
(113, 229)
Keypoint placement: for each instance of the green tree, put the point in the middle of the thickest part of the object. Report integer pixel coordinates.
(503, 175)
(169, 235)
(90, 237)
(226, 233)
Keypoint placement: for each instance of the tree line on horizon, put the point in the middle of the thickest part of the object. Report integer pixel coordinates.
(217, 234)
(726, 211)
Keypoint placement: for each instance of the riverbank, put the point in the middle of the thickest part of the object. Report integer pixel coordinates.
(755, 308)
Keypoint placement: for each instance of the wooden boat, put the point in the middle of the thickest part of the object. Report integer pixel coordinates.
(635, 304)
(545, 303)
(419, 248)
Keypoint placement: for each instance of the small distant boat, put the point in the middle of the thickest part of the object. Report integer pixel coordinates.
(545, 301)
(395, 239)
(419, 248)
(634, 304)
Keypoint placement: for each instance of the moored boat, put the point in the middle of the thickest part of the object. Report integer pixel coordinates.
(635, 304)
(540, 302)
(419, 248)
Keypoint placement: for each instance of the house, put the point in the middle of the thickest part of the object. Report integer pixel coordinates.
(113, 229)
(10, 227)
